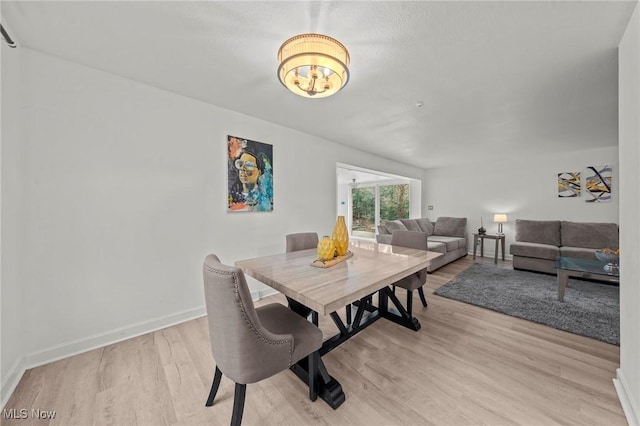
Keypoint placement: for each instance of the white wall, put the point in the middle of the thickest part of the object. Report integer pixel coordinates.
(125, 194)
(11, 225)
(523, 188)
(628, 377)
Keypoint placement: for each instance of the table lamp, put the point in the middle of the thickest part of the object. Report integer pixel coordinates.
(499, 218)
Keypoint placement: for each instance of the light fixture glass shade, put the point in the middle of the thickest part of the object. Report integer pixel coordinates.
(313, 65)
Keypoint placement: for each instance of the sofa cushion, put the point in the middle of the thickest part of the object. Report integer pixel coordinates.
(383, 238)
(538, 231)
(452, 243)
(589, 235)
(382, 230)
(436, 246)
(539, 251)
(411, 225)
(578, 252)
(451, 226)
(425, 225)
(394, 225)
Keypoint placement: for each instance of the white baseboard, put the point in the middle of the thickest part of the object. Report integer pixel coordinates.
(75, 347)
(631, 410)
(13, 377)
(86, 344)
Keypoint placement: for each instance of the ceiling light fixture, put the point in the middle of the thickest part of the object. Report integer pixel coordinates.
(313, 65)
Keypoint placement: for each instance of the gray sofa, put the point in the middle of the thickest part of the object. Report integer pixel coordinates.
(448, 235)
(539, 242)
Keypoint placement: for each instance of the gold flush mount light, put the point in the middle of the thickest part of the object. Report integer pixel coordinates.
(313, 65)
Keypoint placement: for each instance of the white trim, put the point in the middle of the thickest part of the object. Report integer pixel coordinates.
(631, 411)
(16, 372)
(79, 346)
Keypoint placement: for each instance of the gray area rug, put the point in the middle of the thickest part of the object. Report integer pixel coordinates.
(589, 308)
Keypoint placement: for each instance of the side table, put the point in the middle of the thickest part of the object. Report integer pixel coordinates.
(500, 240)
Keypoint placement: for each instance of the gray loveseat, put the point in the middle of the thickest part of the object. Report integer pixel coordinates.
(448, 235)
(539, 242)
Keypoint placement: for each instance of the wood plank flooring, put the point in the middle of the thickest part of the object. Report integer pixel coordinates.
(467, 365)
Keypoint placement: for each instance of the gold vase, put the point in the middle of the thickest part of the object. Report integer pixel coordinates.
(326, 248)
(341, 236)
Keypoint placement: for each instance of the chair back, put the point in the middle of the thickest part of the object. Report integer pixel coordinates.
(415, 240)
(301, 241)
(243, 349)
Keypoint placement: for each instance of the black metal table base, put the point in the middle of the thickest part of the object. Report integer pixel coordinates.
(329, 389)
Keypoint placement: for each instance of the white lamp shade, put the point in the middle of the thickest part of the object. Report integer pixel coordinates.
(500, 218)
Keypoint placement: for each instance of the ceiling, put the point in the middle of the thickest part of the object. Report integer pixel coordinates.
(495, 78)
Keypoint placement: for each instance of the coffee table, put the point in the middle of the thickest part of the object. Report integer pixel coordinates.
(582, 268)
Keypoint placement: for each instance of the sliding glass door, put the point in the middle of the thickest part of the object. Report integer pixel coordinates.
(363, 212)
(371, 205)
(394, 202)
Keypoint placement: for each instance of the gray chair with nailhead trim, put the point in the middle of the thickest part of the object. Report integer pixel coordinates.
(251, 344)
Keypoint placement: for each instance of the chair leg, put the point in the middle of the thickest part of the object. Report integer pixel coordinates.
(214, 387)
(238, 404)
(421, 293)
(409, 301)
(313, 362)
(348, 312)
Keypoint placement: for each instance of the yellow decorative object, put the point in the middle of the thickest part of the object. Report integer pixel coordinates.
(332, 262)
(341, 236)
(326, 248)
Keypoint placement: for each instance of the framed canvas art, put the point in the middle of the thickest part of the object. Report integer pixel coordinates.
(249, 175)
(598, 184)
(568, 184)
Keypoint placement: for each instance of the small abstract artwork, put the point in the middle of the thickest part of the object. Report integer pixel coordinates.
(568, 184)
(250, 175)
(598, 184)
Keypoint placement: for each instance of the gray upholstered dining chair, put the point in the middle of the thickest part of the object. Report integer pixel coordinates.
(415, 240)
(305, 241)
(251, 344)
(296, 242)
(301, 241)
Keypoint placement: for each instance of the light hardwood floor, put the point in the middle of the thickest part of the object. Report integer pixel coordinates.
(466, 366)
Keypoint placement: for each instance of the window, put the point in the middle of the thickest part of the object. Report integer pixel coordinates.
(363, 212)
(375, 204)
(394, 202)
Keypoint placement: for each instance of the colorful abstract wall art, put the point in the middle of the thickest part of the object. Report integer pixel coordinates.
(250, 175)
(568, 184)
(598, 184)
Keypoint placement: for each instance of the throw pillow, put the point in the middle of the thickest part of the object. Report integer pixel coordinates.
(411, 225)
(383, 230)
(425, 225)
(451, 226)
(395, 225)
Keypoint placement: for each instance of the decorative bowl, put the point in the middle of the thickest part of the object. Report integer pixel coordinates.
(607, 257)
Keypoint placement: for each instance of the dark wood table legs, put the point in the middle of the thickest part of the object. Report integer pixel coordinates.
(329, 389)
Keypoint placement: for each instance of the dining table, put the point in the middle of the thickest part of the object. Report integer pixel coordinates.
(368, 269)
